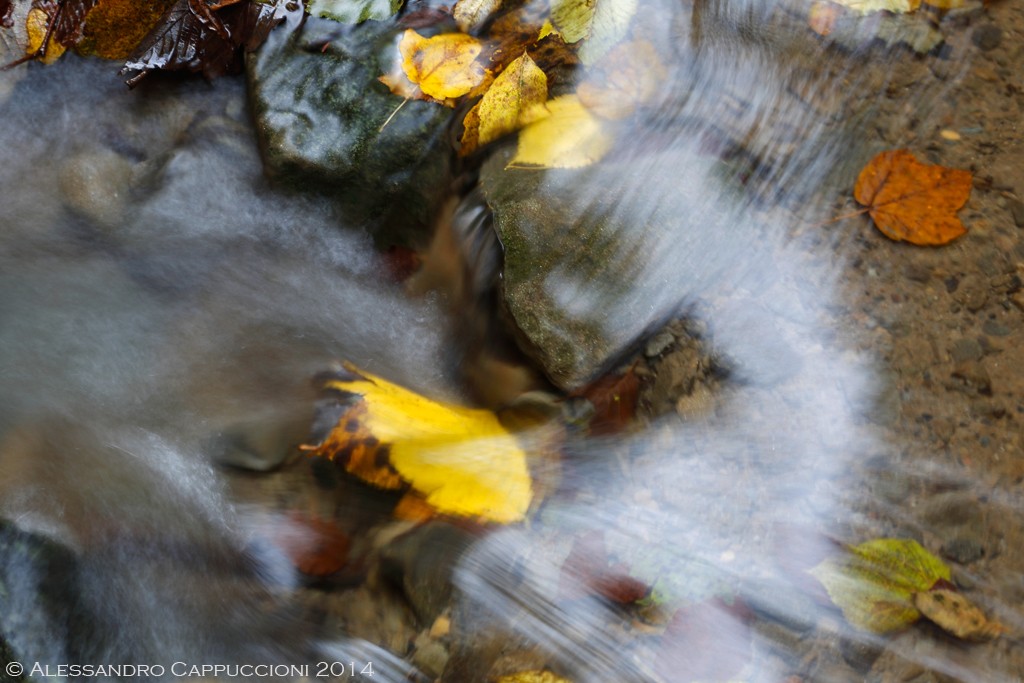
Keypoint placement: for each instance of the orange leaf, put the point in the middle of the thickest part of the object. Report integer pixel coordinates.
(358, 450)
(912, 201)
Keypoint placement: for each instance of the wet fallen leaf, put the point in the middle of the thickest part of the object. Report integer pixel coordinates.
(471, 15)
(461, 460)
(603, 23)
(354, 11)
(521, 86)
(37, 23)
(206, 38)
(443, 66)
(414, 508)
(624, 79)
(955, 614)
(532, 677)
(316, 547)
(912, 201)
(562, 134)
(873, 583)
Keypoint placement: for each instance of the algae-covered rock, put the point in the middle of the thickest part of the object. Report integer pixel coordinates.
(596, 257)
(319, 111)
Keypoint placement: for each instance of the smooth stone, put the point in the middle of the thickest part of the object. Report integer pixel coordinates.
(963, 549)
(97, 184)
(987, 37)
(320, 114)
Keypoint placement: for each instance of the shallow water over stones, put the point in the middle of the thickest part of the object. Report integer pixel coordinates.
(164, 307)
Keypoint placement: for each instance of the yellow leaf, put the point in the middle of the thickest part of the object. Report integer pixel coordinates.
(868, 6)
(532, 677)
(443, 66)
(471, 15)
(874, 582)
(36, 24)
(603, 23)
(547, 29)
(627, 77)
(562, 134)
(521, 86)
(955, 614)
(460, 460)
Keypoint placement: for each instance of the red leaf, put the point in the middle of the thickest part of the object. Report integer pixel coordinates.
(316, 547)
(614, 398)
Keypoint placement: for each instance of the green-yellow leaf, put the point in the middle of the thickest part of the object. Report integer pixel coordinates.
(354, 11)
(562, 134)
(874, 583)
(516, 90)
(601, 23)
(461, 460)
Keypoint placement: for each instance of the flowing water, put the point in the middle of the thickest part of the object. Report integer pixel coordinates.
(164, 308)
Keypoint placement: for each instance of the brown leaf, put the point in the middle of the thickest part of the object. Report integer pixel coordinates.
(912, 201)
(113, 28)
(614, 398)
(955, 614)
(204, 38)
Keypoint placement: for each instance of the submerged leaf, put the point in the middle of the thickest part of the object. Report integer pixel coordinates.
(874, 582)
(461, 460)
(563, 134)
(912, 201)
(471, 15)
(521, 86)
(535, 676)
(113, 28)
(627, 77)
(354, 11)
(602, 23)
(868, 6)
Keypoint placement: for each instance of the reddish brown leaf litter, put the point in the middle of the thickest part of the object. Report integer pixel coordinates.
(614, 398)
(588, 570)
(316, 547)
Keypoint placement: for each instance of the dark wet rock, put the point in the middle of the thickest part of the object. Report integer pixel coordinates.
(966, 350)
(319, 113)
(963, 549)
(38, 605)
(987, 37)
(596, 258)
(421, 563)
(1016, 207)
(861, 653)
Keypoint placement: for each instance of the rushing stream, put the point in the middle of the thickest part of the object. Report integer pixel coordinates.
(163, 308)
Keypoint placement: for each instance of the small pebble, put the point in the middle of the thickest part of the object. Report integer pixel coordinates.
(965, 349)
(995, 328)
(949, 135)
(963, 549)
(987, 37)
(1016, 207)
(658, 344)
